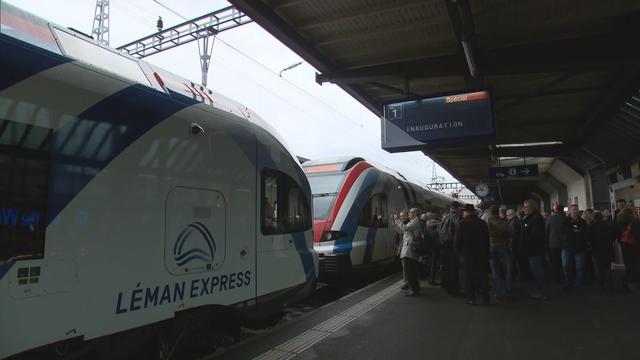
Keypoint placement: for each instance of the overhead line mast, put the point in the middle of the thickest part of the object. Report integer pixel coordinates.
(101, 22)
(200, 28)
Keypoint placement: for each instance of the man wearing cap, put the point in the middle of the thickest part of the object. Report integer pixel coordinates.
(472, 243)
(450, 261)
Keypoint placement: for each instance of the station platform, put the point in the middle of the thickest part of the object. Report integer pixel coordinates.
(378, 322)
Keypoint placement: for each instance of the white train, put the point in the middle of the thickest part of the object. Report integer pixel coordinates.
(353, 204)
(134, 202)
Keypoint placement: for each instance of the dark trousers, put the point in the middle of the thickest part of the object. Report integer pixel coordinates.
(555, 261)
(602, 269)
(477, 282)
(434, 265)
(522, 265)
(589, 267)
(450, 273)
(410, 273)
(630, 257)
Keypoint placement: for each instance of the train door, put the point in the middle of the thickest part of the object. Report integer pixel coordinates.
(374, 220)
(210, 213)
(196, 230)
(283, 214)
(233, 171)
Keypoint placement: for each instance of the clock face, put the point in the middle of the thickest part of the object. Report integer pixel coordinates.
(482, 190)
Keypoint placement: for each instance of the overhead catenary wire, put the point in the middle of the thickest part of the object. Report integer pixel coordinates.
(169, 9)
(132, 10)
(120, 5)
(275, 73)
(374, 136)
(287, 102)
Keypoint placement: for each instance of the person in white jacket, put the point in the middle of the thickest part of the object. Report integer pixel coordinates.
(411, 233)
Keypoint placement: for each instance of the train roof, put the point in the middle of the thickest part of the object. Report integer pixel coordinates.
(72, 44)
(344, 163)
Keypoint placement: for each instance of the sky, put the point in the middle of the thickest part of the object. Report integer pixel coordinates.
(316, 121)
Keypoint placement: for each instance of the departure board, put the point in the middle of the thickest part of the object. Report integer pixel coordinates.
(435, 120)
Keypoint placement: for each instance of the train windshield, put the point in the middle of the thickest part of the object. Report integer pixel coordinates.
(24, 172)
(325, 189)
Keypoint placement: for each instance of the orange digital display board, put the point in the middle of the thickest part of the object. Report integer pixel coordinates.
(320, 168)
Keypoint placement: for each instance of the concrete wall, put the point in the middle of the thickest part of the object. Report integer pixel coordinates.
(577, 185)
(556, 190)
(599, 188)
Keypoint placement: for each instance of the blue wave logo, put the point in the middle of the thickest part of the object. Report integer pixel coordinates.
(184, 256)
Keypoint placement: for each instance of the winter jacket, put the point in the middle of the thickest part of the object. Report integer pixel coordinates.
(600, 237)
(515, 234)
(448, 227)
(431, 233)
(630, 234)
(533, 237)
(555, 231)
(472, 242)
(576, 235)
(411, 233)
(498, 232)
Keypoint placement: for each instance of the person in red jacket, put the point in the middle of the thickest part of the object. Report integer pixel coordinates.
(629, 237)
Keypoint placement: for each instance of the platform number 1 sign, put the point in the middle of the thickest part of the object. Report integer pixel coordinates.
(394, 112)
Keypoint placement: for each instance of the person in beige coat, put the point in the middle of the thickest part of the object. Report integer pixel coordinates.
(411, 233)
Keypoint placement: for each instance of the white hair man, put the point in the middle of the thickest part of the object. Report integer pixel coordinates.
(411, 233)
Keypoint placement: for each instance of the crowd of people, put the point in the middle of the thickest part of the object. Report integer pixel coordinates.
(466, 247)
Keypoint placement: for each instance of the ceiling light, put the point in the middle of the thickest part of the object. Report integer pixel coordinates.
(545, 143)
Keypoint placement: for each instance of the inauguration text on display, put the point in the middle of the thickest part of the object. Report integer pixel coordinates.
(451, 118)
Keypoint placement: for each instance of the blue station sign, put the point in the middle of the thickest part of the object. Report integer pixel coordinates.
(513, 171)
(457, 117)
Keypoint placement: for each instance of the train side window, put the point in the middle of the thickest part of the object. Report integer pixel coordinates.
(25, 152)
(285, 208)
(375, 212)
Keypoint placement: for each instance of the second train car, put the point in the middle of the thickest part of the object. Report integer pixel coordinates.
(353, 205)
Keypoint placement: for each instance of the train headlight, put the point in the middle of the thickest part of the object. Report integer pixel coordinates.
(332, 235)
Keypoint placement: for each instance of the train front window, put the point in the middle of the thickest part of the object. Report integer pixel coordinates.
(325, 189)
(285, 208)
(24, 172)
(374, 213)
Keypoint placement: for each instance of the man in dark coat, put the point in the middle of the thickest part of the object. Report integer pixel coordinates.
(472, 243)
(556, 236)
(601, 234)
(519, 261)
(534, 245)
(573, 250)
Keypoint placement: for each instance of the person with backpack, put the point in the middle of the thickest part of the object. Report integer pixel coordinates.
(450, 259)
(432, 226)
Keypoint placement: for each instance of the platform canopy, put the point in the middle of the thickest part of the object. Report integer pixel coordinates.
(564, 74)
